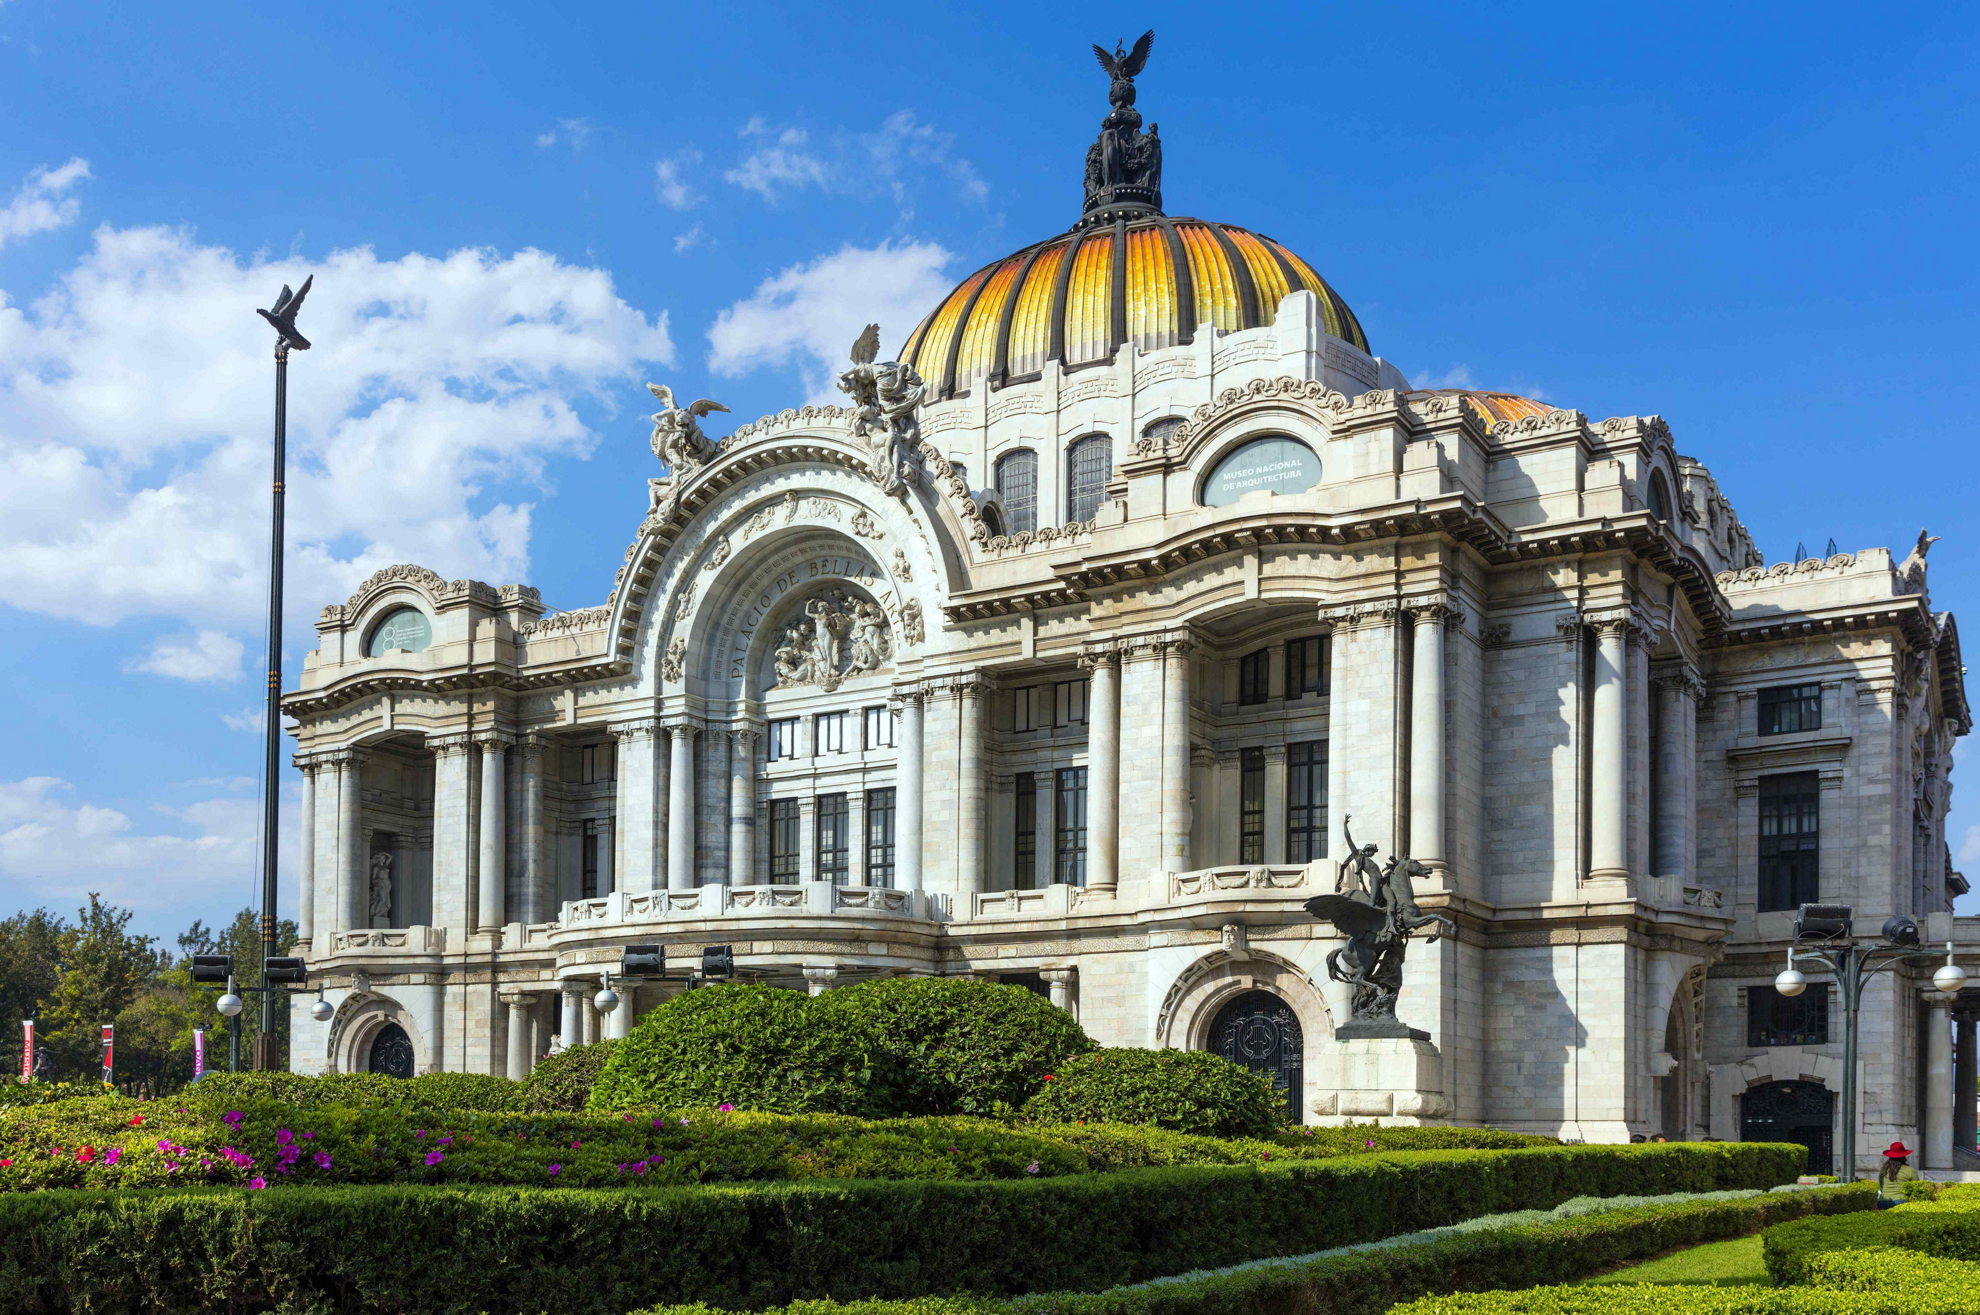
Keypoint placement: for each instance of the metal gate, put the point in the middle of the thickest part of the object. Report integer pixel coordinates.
(1259, 1031)
(391, 1052)
(1802, 1112)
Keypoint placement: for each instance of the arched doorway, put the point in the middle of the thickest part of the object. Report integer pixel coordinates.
(1259, 1031)
(1801, 1112)
(391, 1052)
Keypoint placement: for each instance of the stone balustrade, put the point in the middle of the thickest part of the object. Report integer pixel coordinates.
(715, 901)
(1250, 882)
(390, 940)
(1677, 892)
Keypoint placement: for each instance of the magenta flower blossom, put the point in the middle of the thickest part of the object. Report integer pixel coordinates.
(1032, 1167)
(1371, 1143)
(284, 1136)
(419, 1134)
(556, 1169)
(112, 1155)
(640, 1168)
(256, 1184)
(683, 1121)
(309, 1136)
(322, 1159)
(724, 1107)
(165, 1145)
(434, 1157)
(656, 1120)
(575, 1144)
(232, 1118)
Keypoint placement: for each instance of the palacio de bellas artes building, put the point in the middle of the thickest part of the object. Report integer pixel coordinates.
(1069, 650)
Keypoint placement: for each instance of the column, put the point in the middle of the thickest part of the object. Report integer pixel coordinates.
(571, 992)
(856, 836)
(351, 880)
(808, 838)
(1175, 753)
(680, 808)
(970, 693)
(619, 1022)
(1427, 785)
(538, 904)
(1059, 981)
(608, 872)
(306, 867)
(1103, 770)
(1936, 1137)
(538, 1042)
(1607, 804)
(1963, 1083)
(588, 1013)
(1677, 777)
(635, 814)
(907, 799)
(518, 1055)
(820, 977)
(492, 907)
(450, 831)
(1046, 784)
(1275, 806)
(742, 807)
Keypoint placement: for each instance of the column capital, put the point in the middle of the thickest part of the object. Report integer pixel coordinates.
(1362, 613)
(680, 724)
(347, 757)
(581, 987)
(492, 740)
(744, 738)
(532, 746)
(443, 746)
(639, 728)
(820, 977)
(1059, 976)
(1103, 654)
(1155, 645)
(903, 694)
(1679, 678)
(512, 995)
(962, 684)
(1439, 608)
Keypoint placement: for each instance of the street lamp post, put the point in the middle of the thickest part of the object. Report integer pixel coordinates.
(1825, 930)
(283, 318)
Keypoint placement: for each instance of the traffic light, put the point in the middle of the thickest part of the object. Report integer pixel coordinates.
(643, 961)
(284, 970)
(718, 961)
(212, 967)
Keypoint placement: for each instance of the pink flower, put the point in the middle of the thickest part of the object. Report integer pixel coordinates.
(434, 1157)
(85, 1155)
(656, 1120)
(284, 1136)
(256, 1184)
(419, 1134)
(576, 1144)
(114, 1154)
(232, 1118)
(309, 1136)
(165, 1145)
(1371, 1143)
(446, 1141)
(137, 1120)
(683, 1121)
(640, 1168)
(1268, 1155)
(1032, 1167)
(724, 1107)
(322, 1159)
(6, 1164)
(556, 1169)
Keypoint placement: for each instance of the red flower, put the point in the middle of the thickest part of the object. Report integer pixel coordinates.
(1048, 1077)
(137, 1120)
(85, 1155)
(6, 1164)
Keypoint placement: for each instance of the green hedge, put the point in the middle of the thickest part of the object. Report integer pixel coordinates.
(1183, 1090)
(1947, 1226)
(561, 1083)
(576, 1252)
(219, 1092)
(1131, 1146)
(1364, 1282)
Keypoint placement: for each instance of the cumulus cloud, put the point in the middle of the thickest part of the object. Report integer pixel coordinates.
(1458, 376)
(670, 182)
(575, 133)
(808, 315)
(211, 655)
(688, 241)
(897, 157)
(249, 719)
(1969, 846)
(780, 164)
(134, 422)
(40, 205)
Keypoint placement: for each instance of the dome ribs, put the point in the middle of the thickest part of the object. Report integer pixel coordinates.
(1248, 317)
(1185, 282)
(1056, 349)
(947, 387)
(1266, 275)
(1000, 367)
(1117, 321)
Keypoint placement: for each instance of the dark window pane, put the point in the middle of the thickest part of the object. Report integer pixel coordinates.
(1789, 841)
(1787, 708)
(1089, 465)
(832, 837)
(1255, 677)
(588, 885)
(1306, 667)
(1025, 841)
(1773, 1019)
(880, 837)
(784, 841)
(1251, 806)
(1069, 842)
(1017, 485)
(1306, 801)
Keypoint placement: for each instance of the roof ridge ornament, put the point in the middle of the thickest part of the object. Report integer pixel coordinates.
(1124, 164)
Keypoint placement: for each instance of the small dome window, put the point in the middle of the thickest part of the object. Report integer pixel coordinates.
(405, 627)
(1278, 463)
(1660, 497)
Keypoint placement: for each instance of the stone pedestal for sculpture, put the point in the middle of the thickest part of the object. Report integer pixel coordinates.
(1397, 1081)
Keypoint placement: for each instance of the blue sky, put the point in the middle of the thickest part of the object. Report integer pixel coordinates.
(1755, 221)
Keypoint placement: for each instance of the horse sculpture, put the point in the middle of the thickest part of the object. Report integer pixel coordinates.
(1377, 916)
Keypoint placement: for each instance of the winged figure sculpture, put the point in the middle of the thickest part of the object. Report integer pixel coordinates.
(677, 436)
(283, 315)
(884, 394)
(1123, 65)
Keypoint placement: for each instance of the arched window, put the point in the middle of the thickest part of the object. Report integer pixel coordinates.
(403, 627)
(1275, 463)
(1017, 485)
(1089, 465)
(1660, 496)
(991, 519)
(1159, 430)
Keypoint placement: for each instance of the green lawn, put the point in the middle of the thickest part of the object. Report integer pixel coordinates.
(1715, 1264)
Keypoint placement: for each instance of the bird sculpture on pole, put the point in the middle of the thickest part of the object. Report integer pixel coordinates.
(283, 317)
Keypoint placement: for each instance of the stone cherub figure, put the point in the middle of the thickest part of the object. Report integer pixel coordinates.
(884, 396)
(677, 436)
(381, 889)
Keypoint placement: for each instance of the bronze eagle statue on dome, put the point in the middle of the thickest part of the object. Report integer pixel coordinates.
(1123, 65)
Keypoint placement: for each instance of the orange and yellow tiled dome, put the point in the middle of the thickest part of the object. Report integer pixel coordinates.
(1153, 281)
(1491, 407)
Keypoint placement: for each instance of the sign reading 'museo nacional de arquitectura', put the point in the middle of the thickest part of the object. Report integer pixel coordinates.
(1066, 652)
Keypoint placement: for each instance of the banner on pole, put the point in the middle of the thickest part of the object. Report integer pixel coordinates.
(27, 1049)
(109, 1039)
(199, 1053)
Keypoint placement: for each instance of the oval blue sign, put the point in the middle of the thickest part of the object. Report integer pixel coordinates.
(1283, 465)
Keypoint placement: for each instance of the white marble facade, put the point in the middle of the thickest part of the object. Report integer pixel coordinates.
(1545, 642)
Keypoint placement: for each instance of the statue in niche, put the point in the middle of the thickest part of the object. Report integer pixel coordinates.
(677, 437)
(1377, 918)
(381, 889)
(884, 396)
(840, 637)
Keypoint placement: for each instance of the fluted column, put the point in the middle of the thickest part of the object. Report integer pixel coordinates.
(1936, 1137)
(491, 909)
(536, 901)
(516, 1003)
(1964, 1068)
(571, 994)
(619, 1022)
(1176, 811)
(1608, 804)
(1428, 788)
(1103, 764)
(636, 814)
(907, 777)
(352, 883)
(306, 866)
(742, 806)
(1677, 756)
(450, 831)
(680, 807)
(970, 694)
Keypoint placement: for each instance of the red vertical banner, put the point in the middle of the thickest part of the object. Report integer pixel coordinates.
(109, 1037)
(27, 1049)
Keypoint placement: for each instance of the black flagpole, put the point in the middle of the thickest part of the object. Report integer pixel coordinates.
(283, 317)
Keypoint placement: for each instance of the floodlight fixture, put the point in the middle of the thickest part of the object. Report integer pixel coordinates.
(1900, 930)
(643, 961)
(284, 969)
(1823, 922)
(718, 961)
(212, 967)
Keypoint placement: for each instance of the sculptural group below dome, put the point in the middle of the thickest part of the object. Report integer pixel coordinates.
(1075, 298)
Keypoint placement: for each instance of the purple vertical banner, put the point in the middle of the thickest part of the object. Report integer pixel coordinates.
(27, 1049)
(199, 1053)
(109, 1058)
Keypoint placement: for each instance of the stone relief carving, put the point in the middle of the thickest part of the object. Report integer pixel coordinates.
(557, 623)
(716, 556)
(823, 509)
(864, 526)
(675, 662)
(677, 437)
(1911, 571)
(842, 637)
(885, 396)
(685, 607)
(902, 570)
(381, 887)
(911, 630)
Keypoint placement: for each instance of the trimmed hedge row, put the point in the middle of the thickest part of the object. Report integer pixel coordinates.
(1184, 1090)
(1947, 1226)
(578, 1252)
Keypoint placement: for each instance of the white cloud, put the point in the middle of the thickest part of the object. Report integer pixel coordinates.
(670, 186)
(782, 165)
(134, 421)
(576, 133)
(688, 241)
(894, 159)
(40, 205)
(808, 315)
(249, 719)
(210, 655)
(1969, 847)
(1458, 376)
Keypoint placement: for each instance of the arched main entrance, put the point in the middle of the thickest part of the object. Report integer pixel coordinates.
(391, 1052)
(1259, 1031)
(1801, 1112)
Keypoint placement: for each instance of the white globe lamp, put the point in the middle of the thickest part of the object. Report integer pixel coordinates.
(1790, 982)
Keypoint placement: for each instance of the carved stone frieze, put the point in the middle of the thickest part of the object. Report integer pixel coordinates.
(840, 637)
(673, 665)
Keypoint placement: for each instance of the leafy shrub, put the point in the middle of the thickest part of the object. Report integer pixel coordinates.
(1185, 1090)
(42, 1093)
(1947, 1226)
(750, 1047)
(429, 1091)
(957, 1046)
(1139, 1146)
(335, 1249)
(562, 1082)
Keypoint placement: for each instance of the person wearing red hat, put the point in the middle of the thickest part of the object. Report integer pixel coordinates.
(1897, 1169)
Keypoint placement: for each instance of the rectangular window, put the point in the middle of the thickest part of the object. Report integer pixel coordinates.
(1024, 708)
(1251, 806)
(1786, 708)
(1773, 1019)
(588, 861)
(1789, 834)
(1255, 677)
(783, 738)
(1069, 840)
(880, 837)
(832, 837)
(784, 842)
(1306, 667)
(1017, 485)
(879, 729)
(595, 764)
(1089, 465)
(1306, 801)
(1071, 703)
(1025, 842)
(831, 732)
